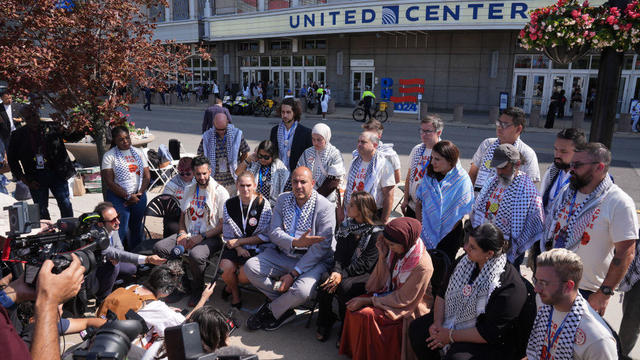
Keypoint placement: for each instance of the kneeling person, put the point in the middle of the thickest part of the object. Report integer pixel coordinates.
(200, 223)
(302, 228)
(247, 218)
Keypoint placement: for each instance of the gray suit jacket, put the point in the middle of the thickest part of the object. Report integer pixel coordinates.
(323, 224)
(117, 252)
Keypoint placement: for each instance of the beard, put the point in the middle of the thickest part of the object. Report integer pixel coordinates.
(206, 183)
(577, 182)
(505, 180)
(560, 164)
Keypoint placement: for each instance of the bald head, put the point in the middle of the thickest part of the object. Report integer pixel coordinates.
(302, 184)
(220, 123)
(302, 171)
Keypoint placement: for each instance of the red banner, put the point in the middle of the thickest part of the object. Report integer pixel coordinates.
(412, 82)
(403, 99)
(411, 90)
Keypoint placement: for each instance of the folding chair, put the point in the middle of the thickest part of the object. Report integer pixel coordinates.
(401, 187)
(162, 206)
(164, 173)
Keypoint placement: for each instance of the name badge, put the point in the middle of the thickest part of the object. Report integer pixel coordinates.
(222, 165)
(39, 161)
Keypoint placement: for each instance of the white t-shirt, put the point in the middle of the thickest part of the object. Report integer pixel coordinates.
(417, 173)
(176, 187)
(390, 154)
(386, 179)
(530, 166)
(109, 160)
(159, 316)
(198, 214)
(556, 188)
(593, 340)
(613, 221)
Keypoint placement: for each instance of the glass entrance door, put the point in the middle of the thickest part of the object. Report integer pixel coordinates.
(286, 82)
(297, 80)
(275, 77)
(537, 92)
(558, 90)
(520, 90)
(360, 81)
(576, 94)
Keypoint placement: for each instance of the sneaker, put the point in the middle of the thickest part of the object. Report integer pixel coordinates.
(287, 317)
(261, 318)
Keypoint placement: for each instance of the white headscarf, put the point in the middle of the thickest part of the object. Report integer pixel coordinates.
(322, 130)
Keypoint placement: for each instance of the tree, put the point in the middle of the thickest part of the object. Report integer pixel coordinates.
(85, 58)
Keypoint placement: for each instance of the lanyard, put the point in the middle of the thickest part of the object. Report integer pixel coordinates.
(266, 172)
(550, 340)
(294, 226)
(288, 135)
(560, 186)
(200, 204)
(245, 218)
(573, 202)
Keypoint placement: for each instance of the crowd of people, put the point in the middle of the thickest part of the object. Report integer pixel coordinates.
(294, 221)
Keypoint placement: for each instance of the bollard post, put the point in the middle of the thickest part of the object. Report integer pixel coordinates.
(578, 120)
(534, 117)
(458, 113)
(624, 122)
(494, 114)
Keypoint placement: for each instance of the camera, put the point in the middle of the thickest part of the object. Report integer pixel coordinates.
(111, 341)
(78, 236)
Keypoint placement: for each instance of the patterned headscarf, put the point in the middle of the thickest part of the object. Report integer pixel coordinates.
(406, 232)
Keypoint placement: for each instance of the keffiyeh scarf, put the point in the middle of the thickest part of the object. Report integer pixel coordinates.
(284, 148)
(486, 171)
(415, 162)
(633, 274)
(305, 219)
(360, 231)
(444, 203)
(233, 139)
(122, 173)
(372, 177)
(581, 215)
(464, 302)
(403, 266)
(519, 215)
(264, 222)
(323, 163)
(566, 339)
(275, 182)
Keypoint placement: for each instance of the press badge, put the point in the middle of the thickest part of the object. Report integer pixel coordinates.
(222, 165)
(39, 161)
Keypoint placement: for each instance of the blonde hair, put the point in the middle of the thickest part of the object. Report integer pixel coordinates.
(566, 263)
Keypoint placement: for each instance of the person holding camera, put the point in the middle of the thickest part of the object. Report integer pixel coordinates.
(200, 223)
(51, 290)
(120, 262)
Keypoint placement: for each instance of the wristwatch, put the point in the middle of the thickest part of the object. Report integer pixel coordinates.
(606, 290)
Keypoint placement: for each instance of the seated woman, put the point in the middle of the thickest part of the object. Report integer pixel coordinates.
(444, 197)
(474, 318)
(356, 255)
(325, 161)
(376, 325)
(270, 172)
(246, 225)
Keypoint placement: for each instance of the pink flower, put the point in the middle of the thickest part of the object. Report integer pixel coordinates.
(612, 20)
(575, 14)
(585, 4)
(533, 36)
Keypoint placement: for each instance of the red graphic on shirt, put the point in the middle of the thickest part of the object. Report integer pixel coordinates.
(557, 228)
(360, 186)
(358, 182)
(133, 164)
(418, 172)
(585, 238)
(581, 337)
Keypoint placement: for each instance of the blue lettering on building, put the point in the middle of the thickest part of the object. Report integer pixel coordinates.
(390, 15)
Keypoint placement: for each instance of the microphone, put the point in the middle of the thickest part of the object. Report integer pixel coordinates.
(176, 252)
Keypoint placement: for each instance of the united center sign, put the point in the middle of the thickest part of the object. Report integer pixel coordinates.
(429, 15)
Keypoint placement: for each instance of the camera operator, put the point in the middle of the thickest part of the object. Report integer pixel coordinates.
(51, 290)
(120, 263)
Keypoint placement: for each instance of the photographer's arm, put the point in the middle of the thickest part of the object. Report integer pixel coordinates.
(52, 290)
(77, 325)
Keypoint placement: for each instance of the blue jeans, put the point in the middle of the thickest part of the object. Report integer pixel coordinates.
(130, 219)
(60, 189)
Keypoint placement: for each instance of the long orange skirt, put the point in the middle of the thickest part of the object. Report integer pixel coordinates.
(369, 334)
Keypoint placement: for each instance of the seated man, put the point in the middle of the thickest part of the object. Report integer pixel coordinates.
(176, 186)
(200, 223)
(302, 228)
(120, 262)
(582, 333)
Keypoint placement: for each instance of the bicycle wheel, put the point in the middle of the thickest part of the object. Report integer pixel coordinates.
(358, 114)
(381, 116)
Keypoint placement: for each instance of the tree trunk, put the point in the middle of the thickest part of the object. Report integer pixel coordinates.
(100, 136)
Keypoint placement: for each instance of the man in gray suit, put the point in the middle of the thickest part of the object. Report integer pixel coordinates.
(302, 229)
(119, 263)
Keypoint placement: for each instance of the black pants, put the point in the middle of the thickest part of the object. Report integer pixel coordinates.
(347, 290)
(452, 242)
(410, 213)
(419, 332)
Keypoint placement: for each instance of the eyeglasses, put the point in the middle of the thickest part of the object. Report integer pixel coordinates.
(503, 125)
(545, 283)
(264, 157)
(112, 221)
(185, 173)
(577, 164)
(427, 132)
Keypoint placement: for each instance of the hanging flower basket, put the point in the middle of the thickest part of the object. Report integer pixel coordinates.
(565, 55)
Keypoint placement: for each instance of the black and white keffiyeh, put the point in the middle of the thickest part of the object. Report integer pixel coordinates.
(264, 222)
(372, 176)
(305, 220)
(415, 162)
(464, 302)
(323, 163)
(485, 171)
(580, 217)
(633, 274)
(122, 173)
(362, 232)
(519, 216)
(233, 139)
(552, 176)
(566, 339)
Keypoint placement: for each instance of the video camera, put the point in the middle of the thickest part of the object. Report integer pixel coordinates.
(68, 236)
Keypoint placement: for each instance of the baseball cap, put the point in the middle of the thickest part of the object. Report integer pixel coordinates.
(504, 154)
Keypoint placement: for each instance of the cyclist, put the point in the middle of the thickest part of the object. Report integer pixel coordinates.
(369, 100)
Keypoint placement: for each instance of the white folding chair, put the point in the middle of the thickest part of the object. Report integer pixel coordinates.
(164, 173)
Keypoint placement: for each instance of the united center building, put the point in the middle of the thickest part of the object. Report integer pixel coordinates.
(459, 52)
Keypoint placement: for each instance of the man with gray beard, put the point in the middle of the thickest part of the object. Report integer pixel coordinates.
(510, 200)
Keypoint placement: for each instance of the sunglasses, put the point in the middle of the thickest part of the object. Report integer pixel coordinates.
(264, 157)
(112, 221)
(577, 165)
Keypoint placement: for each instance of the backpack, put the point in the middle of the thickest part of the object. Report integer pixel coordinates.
(122, 300)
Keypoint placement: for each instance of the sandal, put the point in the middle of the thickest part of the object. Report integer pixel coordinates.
(323, 333)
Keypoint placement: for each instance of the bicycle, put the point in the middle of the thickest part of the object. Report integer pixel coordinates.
(380, 112)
